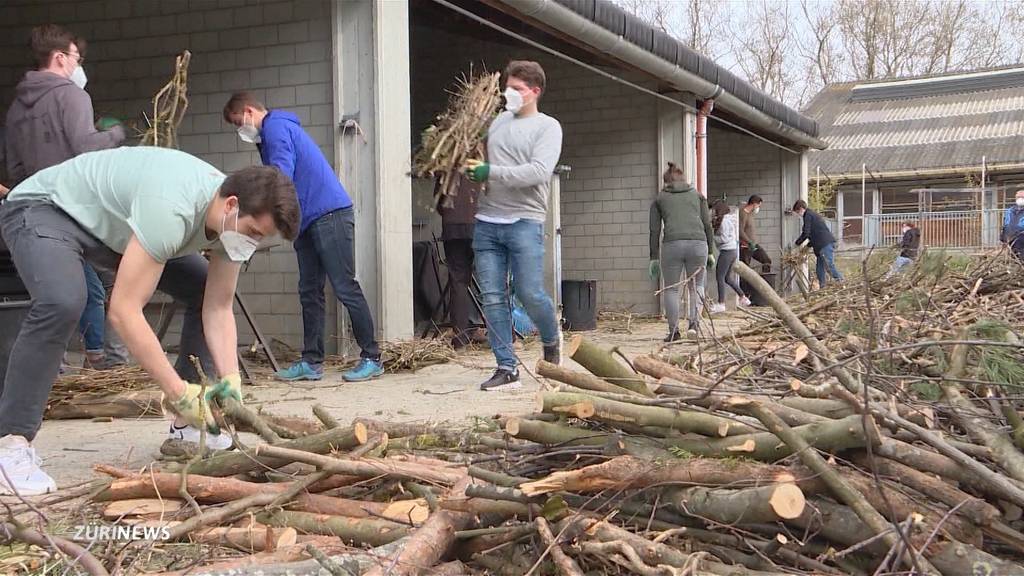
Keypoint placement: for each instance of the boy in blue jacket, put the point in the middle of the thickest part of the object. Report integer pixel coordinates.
(325, 245)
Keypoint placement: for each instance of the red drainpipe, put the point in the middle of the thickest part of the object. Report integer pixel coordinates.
(702, 151)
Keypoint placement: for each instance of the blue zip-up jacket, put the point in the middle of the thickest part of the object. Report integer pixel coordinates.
(287, 147)
(1013, 223)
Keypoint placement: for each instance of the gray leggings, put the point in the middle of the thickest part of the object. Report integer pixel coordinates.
(724, 275)
(681, 259)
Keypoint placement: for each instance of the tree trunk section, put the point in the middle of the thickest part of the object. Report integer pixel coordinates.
(627, 472)
(429, 543)
(977, 510)
(603, 364)
(354, 531)
(579, 379)
(661, 370)
(827, 435)
(748, 506)
(625, 413)
(365, 467)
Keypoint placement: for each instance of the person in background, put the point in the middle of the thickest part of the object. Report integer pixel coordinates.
(147, 213)
(749, 248)
(325, 247)
(910, 245)
(523, 147)
(1013, 226)
(50, 121)
(683, 251)
(458, 216)
(725, 223)
(815, 232)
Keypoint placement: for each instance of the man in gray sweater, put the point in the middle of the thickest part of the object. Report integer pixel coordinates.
(523, 146)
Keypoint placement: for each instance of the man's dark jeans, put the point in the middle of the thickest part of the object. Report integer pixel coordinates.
(458, 253)
(49, 249)
(326, 250)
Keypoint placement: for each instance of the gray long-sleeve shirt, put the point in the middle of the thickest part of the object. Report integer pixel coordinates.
(522, 153)
(49, 122)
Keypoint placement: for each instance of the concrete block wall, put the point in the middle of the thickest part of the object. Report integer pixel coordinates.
(609, 140)
(279, 49)
(740, 165)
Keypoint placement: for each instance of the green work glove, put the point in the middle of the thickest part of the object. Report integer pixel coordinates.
(477, 171)
(190, 407)
(711, 260)
(106, 123)
(654, 269)
(752, 246)
(229, 386)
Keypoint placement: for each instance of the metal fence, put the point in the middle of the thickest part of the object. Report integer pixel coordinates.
(953, 229)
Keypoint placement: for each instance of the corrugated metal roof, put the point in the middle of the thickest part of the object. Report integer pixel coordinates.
(927, 131)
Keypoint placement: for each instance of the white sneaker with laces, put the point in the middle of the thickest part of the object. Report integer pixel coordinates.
(717, 308)
(744, 301)
(191, 434)
(21, 465)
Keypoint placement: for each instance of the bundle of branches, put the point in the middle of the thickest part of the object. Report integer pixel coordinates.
(169, 107)
(457, 133)
(405, 355)
(119, 392)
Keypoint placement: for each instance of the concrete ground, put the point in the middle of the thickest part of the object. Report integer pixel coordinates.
(448, 392)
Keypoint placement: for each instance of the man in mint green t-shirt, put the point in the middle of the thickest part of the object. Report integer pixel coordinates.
(146, 213)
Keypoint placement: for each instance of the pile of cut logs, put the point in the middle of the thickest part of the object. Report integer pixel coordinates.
(793, 448)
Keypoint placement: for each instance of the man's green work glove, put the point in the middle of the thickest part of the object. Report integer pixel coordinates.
(106, 123)
(229, 386)
(191, 407)
(477, 171)
(711, 260)
(654, 269)
(752, 246)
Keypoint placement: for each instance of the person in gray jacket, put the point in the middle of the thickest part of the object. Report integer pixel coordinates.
(687, 246)
(50, 121)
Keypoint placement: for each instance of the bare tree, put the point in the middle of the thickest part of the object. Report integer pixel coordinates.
(765, 48)
(707, 23)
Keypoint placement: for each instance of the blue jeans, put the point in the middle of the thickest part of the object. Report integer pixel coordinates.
(93, 319)
(326, 250)
(826, 262)
(519, 248)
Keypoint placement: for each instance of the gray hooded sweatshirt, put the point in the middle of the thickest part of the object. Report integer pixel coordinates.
(50, 121)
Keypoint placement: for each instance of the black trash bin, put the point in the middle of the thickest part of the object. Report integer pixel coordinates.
(12, 312)
(755, 297)
(579, 304)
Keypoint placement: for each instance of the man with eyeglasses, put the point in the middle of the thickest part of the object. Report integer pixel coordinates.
(51, 118)
(50, 121)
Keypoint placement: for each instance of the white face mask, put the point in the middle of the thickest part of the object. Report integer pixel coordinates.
(905, 229)
(249, 133)
(757, 209)
(78, 77)
(513, 100)
(1020, 202)
(238, 246)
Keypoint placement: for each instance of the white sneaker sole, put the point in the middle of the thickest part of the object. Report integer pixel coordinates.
(504, 387)
(213, 441)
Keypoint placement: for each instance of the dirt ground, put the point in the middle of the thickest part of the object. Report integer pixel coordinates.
(448, 392)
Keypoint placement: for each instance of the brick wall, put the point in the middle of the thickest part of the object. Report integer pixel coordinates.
(740, 165)
(609, 140)
(281, 50)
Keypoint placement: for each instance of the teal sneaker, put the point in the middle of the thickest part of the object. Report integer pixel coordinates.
(300, 371)
(367, 369)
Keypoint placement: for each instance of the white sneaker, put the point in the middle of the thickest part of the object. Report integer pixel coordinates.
(191, 434)
(717, 308)
(744, 301)
(21, 465)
